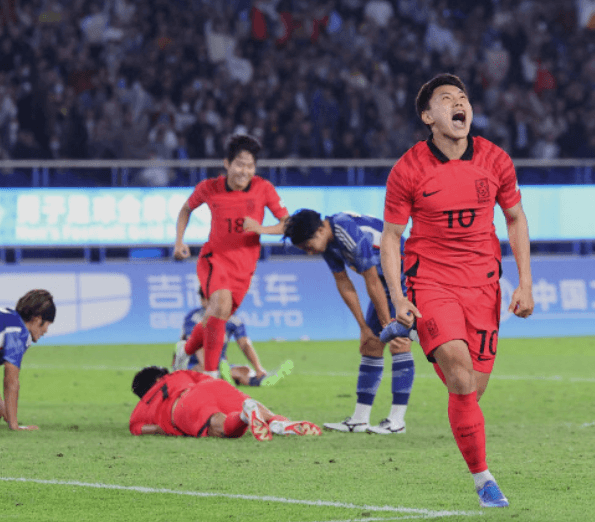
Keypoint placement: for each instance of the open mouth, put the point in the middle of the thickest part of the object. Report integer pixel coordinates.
(459, 119)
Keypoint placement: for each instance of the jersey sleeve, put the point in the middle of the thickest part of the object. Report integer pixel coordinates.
(198, 196)
(137, 420)
(274, 202)
(509, 193)
(399, 199)
(359, 246)
(15, 346)
(236, 328)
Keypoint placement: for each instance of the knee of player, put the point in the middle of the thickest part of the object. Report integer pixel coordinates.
(400, 345)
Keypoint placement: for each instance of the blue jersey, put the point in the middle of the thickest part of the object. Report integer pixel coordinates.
(14, 337)
(234, 328)
(356, 244)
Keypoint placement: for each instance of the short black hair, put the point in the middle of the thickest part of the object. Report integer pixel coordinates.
(36, 303)
(302, 225)
(144, 380)
(240, 142)
(422, 101)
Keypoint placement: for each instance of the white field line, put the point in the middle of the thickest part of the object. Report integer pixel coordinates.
(552, 378)
(420, 513)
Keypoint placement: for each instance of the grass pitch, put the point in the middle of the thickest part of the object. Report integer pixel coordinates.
(84, 465)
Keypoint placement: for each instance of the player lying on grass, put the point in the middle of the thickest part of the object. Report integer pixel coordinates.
(197, 405)
(237, 202)
(27, 323)
(189, 353)
(347, 239)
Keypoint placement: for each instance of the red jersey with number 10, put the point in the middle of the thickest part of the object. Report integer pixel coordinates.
(451, 205)
(227, 237)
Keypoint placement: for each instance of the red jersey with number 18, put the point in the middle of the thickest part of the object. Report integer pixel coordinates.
(227, 237)
(451, 205)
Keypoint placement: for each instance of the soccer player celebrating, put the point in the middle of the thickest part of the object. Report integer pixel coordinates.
(234, 328)
(196, 405)
(449, 186)
(227, 261)
(347, 239)
(27, 323)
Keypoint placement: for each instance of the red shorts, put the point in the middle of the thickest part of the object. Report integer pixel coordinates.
(196, 406)
(215, 273)
(468, 313)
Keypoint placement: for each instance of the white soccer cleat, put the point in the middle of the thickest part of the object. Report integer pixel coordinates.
(181, 358)
(347, 426)
(387, 427)
(258, 427)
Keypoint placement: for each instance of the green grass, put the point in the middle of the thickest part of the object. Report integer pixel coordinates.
(540, 424)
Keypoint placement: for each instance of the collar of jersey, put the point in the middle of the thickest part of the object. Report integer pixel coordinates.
(441, 157)
(229, 189)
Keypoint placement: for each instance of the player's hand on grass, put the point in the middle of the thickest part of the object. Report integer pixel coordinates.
(181, 251)
(251, 225)
(522, 303)
(406, 312)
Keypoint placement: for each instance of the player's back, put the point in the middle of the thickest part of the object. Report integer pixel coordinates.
(14, 336)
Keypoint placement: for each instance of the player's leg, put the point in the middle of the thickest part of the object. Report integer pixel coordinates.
(218, 312)
(368, 380)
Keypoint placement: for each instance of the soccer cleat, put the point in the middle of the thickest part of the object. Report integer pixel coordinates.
(259, 428)
(491, 496)
(181, 358)
(347, 426)
(225, 371)
(295, 428)
(386, 427)
(395, 329)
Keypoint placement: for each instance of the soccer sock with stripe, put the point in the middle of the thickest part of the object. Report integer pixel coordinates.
(214, 336)
(368, 381)
(196, 339)
(468, 428)
(403, 375)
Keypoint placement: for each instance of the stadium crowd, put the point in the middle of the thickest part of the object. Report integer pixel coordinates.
(172, 79)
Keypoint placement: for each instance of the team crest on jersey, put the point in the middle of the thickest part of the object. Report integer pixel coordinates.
(433, 329)
(482, 187)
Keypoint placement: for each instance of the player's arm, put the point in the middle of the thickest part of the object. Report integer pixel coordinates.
(522, 303)
(377, 295)
(251, 225)
(11, 397)
(390, 258)
(181, 250)
(152, 429)
(349, 295)
(246, 346)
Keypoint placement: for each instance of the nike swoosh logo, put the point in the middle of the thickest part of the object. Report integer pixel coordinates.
(428, 194)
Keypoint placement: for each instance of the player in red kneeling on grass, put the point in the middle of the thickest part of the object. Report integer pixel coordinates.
(448, 186)
(197, 405)
(227, 261)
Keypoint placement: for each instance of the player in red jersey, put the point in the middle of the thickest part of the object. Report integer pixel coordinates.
(448, 186)
(196, 405)
(227, 261)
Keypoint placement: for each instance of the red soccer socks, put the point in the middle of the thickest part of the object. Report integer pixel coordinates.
(196, 339)
(234, 426)
(214, 335)
(468, 428)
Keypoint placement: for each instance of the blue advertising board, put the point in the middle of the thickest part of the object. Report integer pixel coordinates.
(145, 302)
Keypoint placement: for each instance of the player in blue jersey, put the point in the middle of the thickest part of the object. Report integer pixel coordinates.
(351, 240)
(234, 329)
(30, 319)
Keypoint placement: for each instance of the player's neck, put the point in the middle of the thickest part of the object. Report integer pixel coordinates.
(452, 148)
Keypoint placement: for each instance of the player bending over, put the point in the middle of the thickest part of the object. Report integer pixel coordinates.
(237, 202)
(197, 405)
(347, 239)
(27, 323)
(240, 374)
(448, 186)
